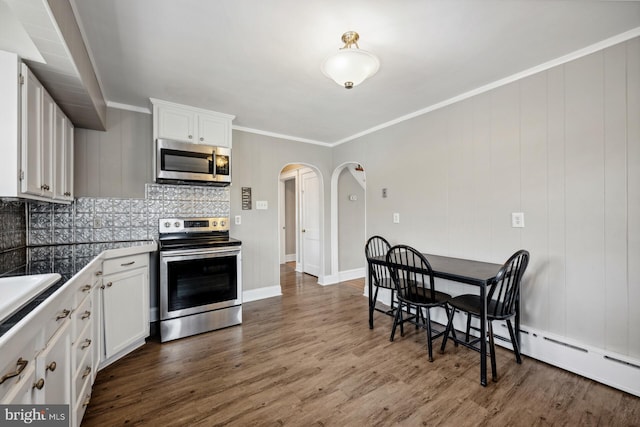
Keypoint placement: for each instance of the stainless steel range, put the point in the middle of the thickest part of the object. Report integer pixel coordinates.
(200, 277)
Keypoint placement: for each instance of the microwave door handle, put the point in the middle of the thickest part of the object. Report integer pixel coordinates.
(215, 167)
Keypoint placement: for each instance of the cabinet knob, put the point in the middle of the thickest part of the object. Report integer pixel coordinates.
(52, 366)
(39, 384)
(65, 313)
(86, 372)
(109, 284)
(201, 139)
(20, 365)
(190, 136)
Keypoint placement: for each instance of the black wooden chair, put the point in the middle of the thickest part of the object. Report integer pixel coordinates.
(376, 250)
(502, 299)
(413, 278)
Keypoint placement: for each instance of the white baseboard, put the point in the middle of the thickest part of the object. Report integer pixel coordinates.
(261, 293)
(607, 367)
(289, 257)
(355, 273)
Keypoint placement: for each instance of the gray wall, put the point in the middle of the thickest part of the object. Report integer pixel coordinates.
(115, 163)
(351, 232)
(257, 162)
(562, 146)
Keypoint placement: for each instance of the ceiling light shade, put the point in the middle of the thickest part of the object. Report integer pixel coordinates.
(350, 66)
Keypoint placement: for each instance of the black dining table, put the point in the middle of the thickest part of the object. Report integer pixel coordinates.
(470, 272)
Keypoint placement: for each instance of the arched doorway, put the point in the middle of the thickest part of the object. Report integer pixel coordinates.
(348, 219)
(301, 219)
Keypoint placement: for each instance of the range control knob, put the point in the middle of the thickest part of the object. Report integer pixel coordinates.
(177, 224)
(221, 223)
(215, 223)
(167, 224)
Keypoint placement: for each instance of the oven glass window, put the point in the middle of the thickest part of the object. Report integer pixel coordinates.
(183, 161)
(196, 282)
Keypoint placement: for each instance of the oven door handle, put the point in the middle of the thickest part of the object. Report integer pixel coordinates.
(220, 251)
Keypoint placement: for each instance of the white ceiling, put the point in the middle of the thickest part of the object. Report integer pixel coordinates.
(260, 60)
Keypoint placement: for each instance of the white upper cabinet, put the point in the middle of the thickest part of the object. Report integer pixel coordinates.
(190, 124)
(36, 138)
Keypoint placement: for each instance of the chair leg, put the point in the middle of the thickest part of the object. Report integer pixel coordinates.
(397, 318)
(429, 343)
(492, 348)
(450, 314)
(514, 342)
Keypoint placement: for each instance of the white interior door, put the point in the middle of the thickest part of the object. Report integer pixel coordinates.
(310, 223)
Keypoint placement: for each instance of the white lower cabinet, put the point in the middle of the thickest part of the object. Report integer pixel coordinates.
(91, 321)
(53, 369)
(125, 302)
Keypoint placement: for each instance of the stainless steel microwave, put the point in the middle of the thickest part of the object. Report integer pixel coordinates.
(184, 163)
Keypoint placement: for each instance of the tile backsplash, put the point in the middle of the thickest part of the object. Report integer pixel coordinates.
(12, 234)
(91, 219)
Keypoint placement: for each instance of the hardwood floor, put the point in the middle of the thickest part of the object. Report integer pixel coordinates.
(308, 358)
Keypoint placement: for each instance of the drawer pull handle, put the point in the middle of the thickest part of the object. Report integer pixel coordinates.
(39, 384)
(86, 344)
(85, 315)
(86, 288)
(65, 313)
(126, 264)
(86, 372)
(98, 273)
(20, 365)
(52, 366)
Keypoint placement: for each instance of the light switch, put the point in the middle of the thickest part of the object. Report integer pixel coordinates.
(262, 204)
(396, 218)
(517, 219)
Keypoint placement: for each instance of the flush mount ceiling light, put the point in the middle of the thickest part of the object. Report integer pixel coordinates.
(351, 65)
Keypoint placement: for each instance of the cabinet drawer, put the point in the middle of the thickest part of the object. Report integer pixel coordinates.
(81, 376)
(116, 265)
(81, 347)
(56, 313)
(17, 357)
(81, 404)
(81, 317)
(22, 391)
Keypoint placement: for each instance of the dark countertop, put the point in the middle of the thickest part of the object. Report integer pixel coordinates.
(66, 260)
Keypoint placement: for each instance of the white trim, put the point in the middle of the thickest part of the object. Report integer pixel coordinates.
(261, 293)
(156, 101)
(289, 257)
(281, 136)
(356, 273)
(607, 367)
(510, 79)
(128, 107)
(328, 279)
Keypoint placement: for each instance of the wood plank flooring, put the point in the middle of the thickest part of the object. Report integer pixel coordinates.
(308, 358)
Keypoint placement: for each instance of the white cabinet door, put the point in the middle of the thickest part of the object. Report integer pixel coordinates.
(46, 160)
(125, 299)
(63, 148)
(32, 92)
(177, 124)
(53, 369)
(213, 130)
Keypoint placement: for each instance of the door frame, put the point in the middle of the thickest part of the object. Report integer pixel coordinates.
(322, 278)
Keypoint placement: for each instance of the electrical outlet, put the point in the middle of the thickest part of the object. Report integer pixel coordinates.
(97, 222)
(517, 219)
(238, 219)
(396, 218)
